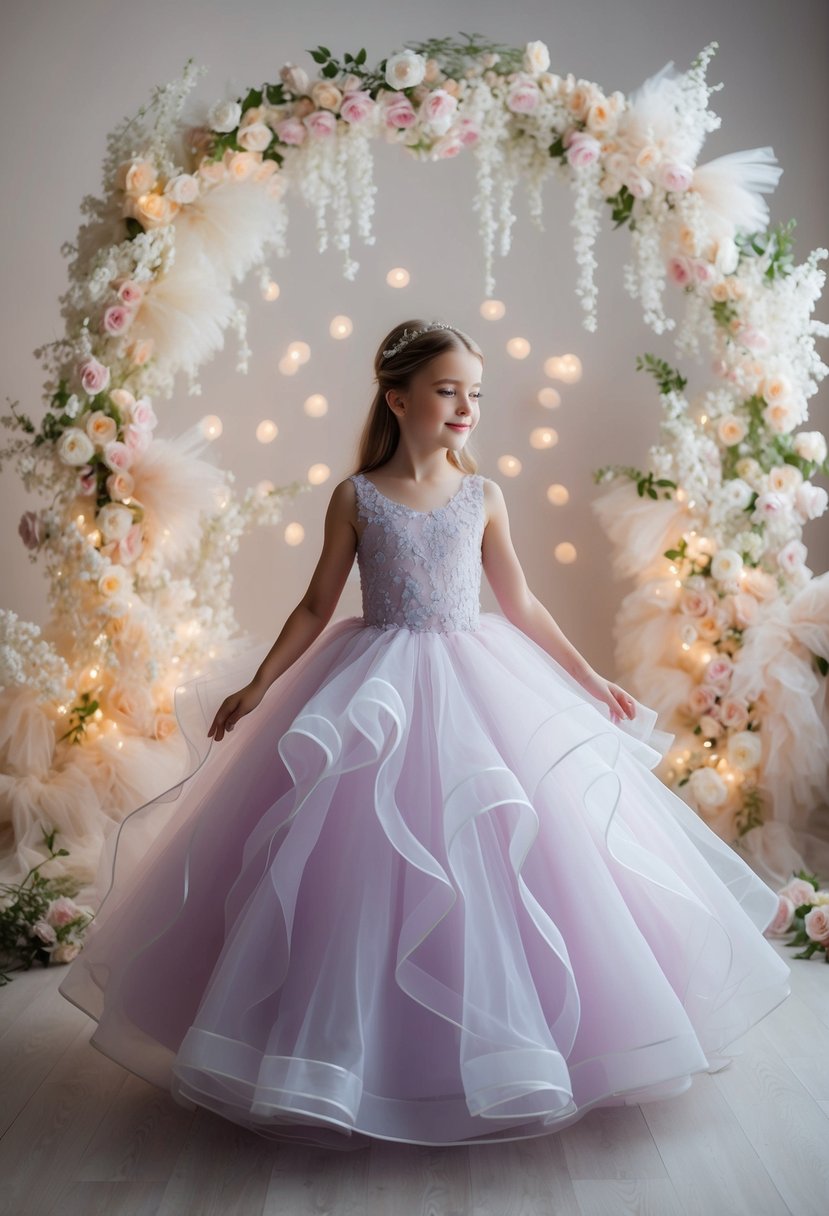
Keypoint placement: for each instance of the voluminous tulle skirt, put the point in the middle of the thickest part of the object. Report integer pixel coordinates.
(428, 892)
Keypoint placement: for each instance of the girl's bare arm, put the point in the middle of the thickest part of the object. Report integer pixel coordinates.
(317, 606)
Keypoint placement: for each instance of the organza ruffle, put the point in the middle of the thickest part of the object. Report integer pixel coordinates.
(428, 892)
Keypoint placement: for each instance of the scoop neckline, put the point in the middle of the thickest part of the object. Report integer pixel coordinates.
(414, 511)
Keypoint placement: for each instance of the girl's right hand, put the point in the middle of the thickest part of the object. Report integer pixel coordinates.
(234, 707)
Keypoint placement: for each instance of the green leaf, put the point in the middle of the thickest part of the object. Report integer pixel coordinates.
(361, 57)
(330, 69)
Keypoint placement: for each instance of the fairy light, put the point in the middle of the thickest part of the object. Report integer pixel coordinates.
(294, 534)
(563, 367)
(341, 327)
(510, 466)
(549, 397)
(211, 426)
(318, 474)
(543, 437)
(299, 351)
(270, 291)
(565, 552)
(493, 310)
(315, 406)
(288, 366)
(267, 431)
(398, 276)
(519, 348)
(558, 494)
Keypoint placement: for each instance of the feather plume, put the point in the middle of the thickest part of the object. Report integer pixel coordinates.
(232, 222)
(174, 486)
(729, 185)
(656, 105)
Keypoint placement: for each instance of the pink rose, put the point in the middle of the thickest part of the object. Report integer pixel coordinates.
(93, 375)
(117, 319)
(143, 414)
(137, 439)
(357, 106)
(704, 272)
(439, 108)
(44, 932)
(720, 670)
(291, 131)
(447, 146)
(768, 505)
(583, 149)
(702, 698)
(816, 924)
(87, 480)
(467, 131)
(31, 529)
(62, 912)
(694, 602)
(754, 339)
(734, 714)
(321, 123)
(680, 269)
(399, 111)
(799, 891)
(117, 456)
(129, 548)
(129, 292)
(639, 185)
(523, 97)
(782, 918)
(675, 176)
(254, 137)
(792, 556)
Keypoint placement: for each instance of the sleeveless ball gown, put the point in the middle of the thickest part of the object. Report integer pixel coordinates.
(427, 891)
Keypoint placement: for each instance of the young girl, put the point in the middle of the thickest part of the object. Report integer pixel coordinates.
(432, 891)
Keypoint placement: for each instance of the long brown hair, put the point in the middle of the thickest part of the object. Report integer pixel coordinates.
(381, 432)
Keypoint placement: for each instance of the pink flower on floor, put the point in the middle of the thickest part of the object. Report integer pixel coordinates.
(62, 911)
(816, 924)
(799, 891)
(782, 919)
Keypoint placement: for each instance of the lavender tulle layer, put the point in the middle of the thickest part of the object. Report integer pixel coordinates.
(428, 891)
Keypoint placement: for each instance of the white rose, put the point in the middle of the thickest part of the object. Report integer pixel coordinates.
(747, 468)
(736, 493)
(792, 556)
(710, 727)
(405, 70)
(810, 445)
(708, 787)
(115, 583)
(74, 446)
(727, 256)
(744, 749)
(295, 79)
(726, 565)
(785, 478)
(114, 521)
(536, 58)
(224, 116)
(810, 501)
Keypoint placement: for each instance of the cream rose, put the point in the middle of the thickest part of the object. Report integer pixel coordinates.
(65, 952)
(120, 485)
(101, 428)
(114, 582)
(792, 556)
(810, 501)
(744, 749)
(155, 210)
(75, 447)
(734, 713)
(760, 584)
(731, 430)
(224, 116)
(785, 478)
(780, 417)
(325, 95)
(702, 698)
(114, 521)
(536, 58)
(136, 177)
(295, 79)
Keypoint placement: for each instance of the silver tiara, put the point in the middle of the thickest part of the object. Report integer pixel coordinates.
(409, 335)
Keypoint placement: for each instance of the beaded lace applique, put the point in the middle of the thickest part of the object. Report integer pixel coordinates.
(421, 569)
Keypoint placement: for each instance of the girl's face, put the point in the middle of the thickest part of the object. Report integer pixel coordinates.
(441, 404)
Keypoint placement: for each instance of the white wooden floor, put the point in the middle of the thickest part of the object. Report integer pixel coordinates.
(82, 1136)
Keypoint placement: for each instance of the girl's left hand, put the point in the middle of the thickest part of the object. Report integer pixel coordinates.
(618, 701)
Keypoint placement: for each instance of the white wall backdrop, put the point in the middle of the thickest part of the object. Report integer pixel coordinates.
(72, 69)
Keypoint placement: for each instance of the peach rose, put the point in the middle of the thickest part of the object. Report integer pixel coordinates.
(114, 582)
(114, 521)
(212, 171)
(136, 177)
(120, 485)
(240, 165)
(255, 138)
(325, 95)
(155, 210)
(774, 389)
(731, 430)
(139, 351)
(101, 428)
(65, 952)
(780, 417)
(295, 79)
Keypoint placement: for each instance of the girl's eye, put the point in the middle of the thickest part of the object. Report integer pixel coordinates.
(477, 396)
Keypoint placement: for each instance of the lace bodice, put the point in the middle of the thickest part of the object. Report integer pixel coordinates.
(421, 569)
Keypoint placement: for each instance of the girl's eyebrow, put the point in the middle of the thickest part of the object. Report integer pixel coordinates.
(449, 380)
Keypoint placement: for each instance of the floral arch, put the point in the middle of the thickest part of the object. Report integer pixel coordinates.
(726, 632)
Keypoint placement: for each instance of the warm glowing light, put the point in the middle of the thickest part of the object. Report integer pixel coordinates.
(300, 351)
(686, 646)
(341, 327)
(707, 743)
(79, 519)
(318, 474)
(93, 673)
(211, 426)
(543, 437)
(493, 310)
(288, 366)
(98, 715)
(398, 277)
(294, 534)
(270, 291)
(315, 406)
(680, 495)
(558, 494)
(519, 348)
(565, 552)
(510, 466)
(267, 431)
(549, 397)
(677, 582)
(93, 537)
(61, 709)
(563, 367)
